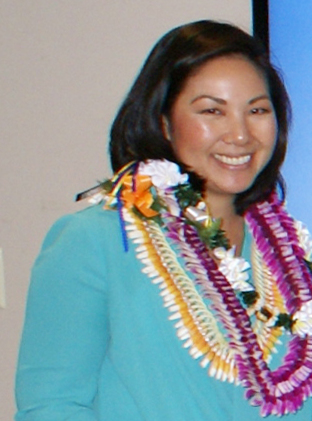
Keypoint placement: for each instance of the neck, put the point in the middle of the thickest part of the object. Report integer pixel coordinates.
(223, 207)
(220, 205)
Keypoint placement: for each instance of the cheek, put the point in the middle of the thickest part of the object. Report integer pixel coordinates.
(269, 140)
(272, 140)
(266, 133)
(191, 134)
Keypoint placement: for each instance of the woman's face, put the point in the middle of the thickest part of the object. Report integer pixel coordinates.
(223, 126)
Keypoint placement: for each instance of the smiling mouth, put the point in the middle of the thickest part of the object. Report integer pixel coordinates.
(233, 160)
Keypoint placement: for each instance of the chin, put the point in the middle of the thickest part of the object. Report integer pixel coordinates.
(240, 187)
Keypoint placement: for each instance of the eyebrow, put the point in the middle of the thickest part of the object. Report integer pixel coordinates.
(223, 101)
(258, 98)
(216, 99)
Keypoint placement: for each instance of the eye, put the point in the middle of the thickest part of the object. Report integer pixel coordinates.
(260, 110)
(212, 111)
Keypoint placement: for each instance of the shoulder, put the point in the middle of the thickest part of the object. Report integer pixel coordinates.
(304, 237)
(301, 231)
(91, 228)
(80, 247)
(92, 216)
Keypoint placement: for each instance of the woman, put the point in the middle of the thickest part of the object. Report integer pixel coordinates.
(191, 229)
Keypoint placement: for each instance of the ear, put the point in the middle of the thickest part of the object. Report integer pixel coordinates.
(165, 125)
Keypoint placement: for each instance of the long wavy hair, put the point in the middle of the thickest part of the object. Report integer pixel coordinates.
(137, 132)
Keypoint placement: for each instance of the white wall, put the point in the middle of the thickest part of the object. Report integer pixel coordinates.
(66, 65)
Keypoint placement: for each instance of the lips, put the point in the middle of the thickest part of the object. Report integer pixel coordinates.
(233, 160)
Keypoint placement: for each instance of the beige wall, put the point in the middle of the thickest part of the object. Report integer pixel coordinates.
(66, 65)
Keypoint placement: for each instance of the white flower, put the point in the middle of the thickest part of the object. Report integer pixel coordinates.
(304, 238)
(303, 320)
(164, 174)
(233, 268)
(96, 198)
(171, 203)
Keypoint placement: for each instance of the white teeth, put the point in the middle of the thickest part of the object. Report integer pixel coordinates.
(233, 160)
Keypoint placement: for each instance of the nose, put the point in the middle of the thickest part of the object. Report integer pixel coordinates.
(237, 132)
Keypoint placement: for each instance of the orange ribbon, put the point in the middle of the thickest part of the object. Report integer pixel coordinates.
(138, 194)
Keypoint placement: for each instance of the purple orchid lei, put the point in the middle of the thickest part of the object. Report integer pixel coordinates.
(284, 390)
(280, 391)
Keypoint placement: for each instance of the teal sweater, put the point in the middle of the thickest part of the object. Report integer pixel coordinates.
(97, 343)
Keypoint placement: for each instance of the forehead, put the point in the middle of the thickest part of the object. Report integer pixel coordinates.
(231, 71)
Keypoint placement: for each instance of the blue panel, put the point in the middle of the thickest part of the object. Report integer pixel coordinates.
(291, 50)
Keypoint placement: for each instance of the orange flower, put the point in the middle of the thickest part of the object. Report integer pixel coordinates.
(141, 197)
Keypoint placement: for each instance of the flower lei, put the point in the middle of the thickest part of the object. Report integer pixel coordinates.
(151, 193)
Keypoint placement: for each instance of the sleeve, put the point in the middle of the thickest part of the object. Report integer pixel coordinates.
(66, 326)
